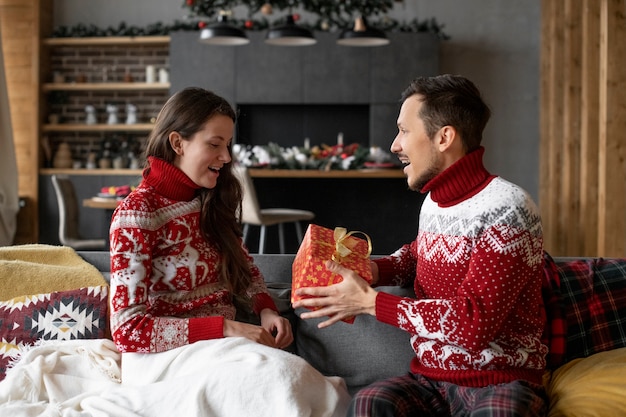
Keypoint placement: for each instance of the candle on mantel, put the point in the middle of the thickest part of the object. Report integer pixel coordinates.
(307, 143)
(340, 139)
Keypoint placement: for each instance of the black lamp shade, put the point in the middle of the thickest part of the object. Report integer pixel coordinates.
(221, 33)
(362, 35)
(290, 34)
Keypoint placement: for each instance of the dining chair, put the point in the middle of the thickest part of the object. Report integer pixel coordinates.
(69, 234)
(253, 214)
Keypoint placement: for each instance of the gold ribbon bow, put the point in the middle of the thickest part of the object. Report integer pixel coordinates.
(344, 245)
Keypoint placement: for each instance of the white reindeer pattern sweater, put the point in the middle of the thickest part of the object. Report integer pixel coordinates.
(165, 291)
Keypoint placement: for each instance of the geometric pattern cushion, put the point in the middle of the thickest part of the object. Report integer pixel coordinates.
(594, 297)
(73, 314)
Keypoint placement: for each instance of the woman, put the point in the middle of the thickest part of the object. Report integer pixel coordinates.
(179, 268)
(177, 258)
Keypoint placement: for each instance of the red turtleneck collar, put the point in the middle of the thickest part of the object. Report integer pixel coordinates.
(462, 180)
(169, 181)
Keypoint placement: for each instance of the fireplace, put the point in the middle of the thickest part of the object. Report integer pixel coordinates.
(289, 124)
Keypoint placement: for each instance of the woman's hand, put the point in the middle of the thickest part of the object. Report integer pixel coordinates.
(278, 325)
(250, 331)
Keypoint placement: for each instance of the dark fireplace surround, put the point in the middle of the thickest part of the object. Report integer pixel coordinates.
(286, 94)
(289, 124)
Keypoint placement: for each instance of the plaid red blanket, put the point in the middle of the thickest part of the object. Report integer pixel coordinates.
(594, 297)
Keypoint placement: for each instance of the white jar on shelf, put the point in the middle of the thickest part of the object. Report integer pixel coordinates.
(150, 74)
(164, 76)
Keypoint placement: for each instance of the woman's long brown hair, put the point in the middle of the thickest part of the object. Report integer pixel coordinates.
(186, 112)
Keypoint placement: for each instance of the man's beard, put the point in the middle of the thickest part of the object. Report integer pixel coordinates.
(434, 169)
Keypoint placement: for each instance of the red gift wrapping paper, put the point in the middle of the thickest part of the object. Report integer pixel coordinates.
(321, 244)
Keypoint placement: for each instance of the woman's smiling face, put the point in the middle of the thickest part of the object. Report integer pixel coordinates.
(206, 152)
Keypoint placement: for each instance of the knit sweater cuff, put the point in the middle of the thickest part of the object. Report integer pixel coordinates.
(385, 271)
(206, 328)
(262, 301)
(387, 307)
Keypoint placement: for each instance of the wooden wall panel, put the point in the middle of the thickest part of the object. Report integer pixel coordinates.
(583, 120)
(590, 128)
(551, 119)
(612, 162)
(21, 23)
(570, 169)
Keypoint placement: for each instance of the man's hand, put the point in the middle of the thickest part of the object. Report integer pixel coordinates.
(350, 297)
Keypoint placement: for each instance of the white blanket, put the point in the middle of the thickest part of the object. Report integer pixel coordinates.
(230, 377)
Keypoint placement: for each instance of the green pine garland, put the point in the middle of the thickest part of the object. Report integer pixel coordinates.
(331, 14)
(324, 8)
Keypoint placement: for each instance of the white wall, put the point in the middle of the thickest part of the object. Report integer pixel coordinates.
(493, 42)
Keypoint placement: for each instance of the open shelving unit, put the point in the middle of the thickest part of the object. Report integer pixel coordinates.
(91, 58)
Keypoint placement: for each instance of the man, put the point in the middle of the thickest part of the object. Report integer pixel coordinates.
(476, 267)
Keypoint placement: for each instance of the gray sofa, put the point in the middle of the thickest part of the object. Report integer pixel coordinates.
(590, 301)
(361, 353)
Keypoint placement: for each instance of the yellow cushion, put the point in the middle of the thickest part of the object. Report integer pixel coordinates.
(589, 387)
(38, 268)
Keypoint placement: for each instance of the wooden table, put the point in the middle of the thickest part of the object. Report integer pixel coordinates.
(101, 203)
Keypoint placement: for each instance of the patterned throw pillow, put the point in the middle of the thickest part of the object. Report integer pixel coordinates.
(594, 296)
(73, 314)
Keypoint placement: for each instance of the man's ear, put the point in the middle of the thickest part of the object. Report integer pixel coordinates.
(447, 137)
(176, 142)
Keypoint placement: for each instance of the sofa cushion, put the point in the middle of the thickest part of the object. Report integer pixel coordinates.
(39, 268)
(361, 353)
(592, 386)
(594, 295)
(48, 292)
(62, 315)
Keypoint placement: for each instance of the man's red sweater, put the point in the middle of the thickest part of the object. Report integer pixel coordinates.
(476, 266)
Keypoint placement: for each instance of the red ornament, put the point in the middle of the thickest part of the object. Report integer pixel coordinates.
(249, 24)
(190, 2)
(296, 17)
(201, 25)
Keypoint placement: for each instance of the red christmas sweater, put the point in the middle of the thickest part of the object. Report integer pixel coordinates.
(165, 291)
(476, 266)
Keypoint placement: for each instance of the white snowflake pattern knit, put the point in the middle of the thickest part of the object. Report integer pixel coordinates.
(476, 265)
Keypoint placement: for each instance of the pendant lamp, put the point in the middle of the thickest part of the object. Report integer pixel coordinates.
(362, 35)
(290, 34)
(221, 33)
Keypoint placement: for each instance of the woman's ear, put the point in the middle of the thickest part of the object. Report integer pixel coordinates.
(176, 142)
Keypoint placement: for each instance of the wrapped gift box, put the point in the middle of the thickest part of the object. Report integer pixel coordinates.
(320, 245)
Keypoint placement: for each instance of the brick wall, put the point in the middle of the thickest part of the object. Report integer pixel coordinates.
(101, 64)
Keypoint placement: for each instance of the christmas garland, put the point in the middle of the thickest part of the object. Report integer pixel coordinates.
(324, 8)
(156, 29)
(331, 15)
